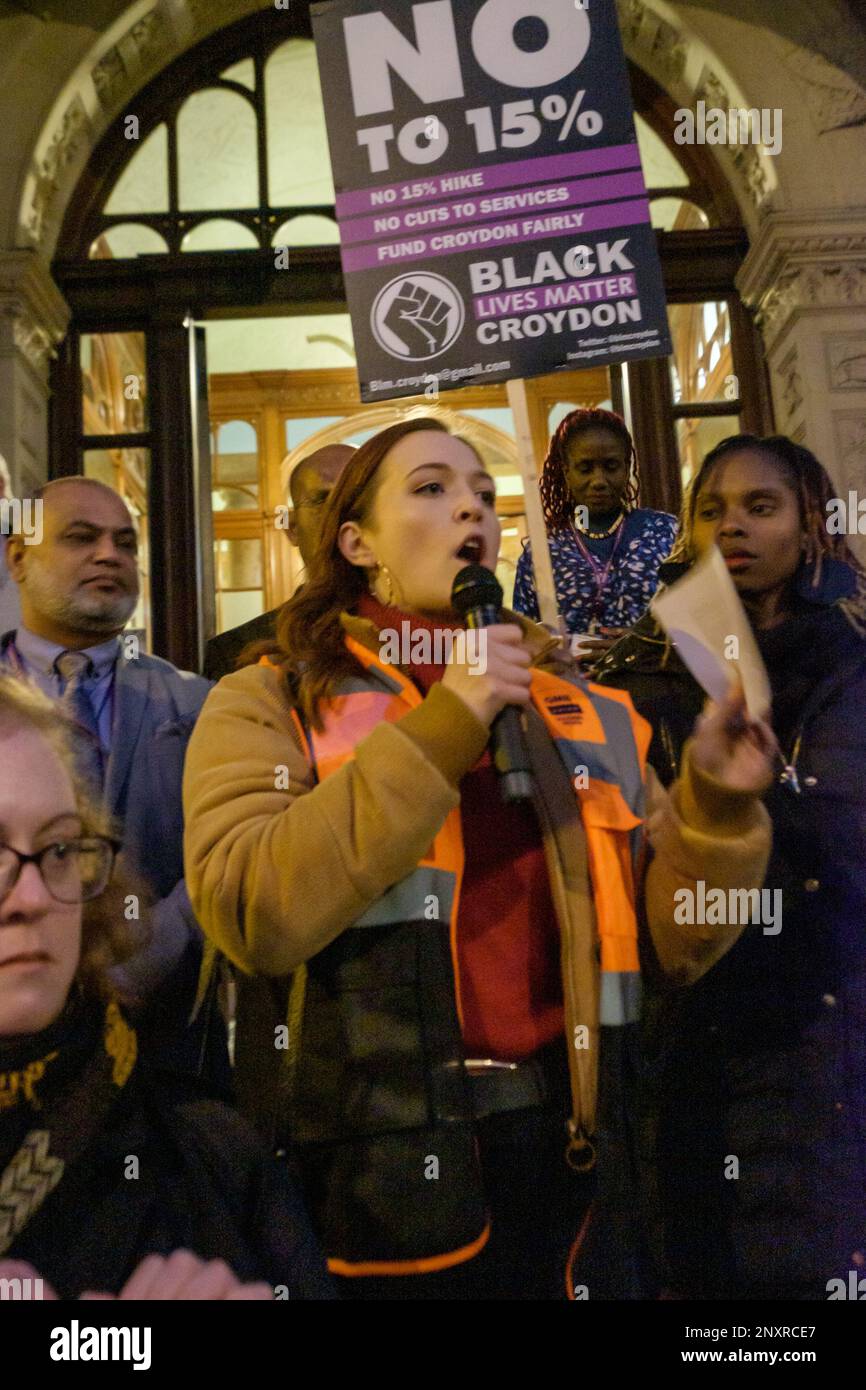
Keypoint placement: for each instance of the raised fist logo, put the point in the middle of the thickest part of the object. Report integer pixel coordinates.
(418, 316)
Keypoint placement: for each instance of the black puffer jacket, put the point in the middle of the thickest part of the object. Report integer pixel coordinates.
(760, 1068)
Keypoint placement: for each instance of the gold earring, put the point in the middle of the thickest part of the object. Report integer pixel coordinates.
(374, 575)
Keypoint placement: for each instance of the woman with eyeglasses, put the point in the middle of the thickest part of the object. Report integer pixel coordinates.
(111, 1180)
(762, 1071)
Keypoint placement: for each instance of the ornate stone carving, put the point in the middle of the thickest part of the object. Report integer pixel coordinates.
(653, 43)
(712, 90)
(799, 262)
(811, 287)
(746, 159)
(31, 339)
(147, 38)
(73, 135)
(850, 430)
(832, 98)
(109, 77)
(138, 51)
(845, 355)
(792, 384)
(33, 313)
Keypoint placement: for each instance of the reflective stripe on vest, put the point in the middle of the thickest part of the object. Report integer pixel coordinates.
(353, 713)
(598, 734)
(592, 728)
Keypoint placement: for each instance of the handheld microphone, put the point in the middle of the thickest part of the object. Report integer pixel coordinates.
(477, 596)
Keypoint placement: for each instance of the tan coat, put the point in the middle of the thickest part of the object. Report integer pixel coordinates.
(277, 868)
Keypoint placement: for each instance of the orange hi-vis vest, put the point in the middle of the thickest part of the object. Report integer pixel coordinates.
(378, 1084)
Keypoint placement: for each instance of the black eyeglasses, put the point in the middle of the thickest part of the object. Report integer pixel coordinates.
(73, 871)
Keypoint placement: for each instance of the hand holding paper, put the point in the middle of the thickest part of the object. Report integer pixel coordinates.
(734, 749)
(704, 618)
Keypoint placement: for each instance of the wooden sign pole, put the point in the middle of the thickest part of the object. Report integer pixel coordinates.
(541, 563)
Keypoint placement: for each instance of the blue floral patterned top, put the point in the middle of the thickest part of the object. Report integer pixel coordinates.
(644, 545)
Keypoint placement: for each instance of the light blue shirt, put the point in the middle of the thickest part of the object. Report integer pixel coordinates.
(37, 656)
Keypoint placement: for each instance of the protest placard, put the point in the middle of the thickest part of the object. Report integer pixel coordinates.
(493, 214)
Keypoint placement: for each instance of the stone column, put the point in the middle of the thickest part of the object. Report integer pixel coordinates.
(33, 320)
(805, 277)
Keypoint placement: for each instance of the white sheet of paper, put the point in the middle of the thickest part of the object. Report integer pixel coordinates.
(704, 618)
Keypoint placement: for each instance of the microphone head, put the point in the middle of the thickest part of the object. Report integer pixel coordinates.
(475, 587)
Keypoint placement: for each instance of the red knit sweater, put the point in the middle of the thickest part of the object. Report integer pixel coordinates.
(507, 935)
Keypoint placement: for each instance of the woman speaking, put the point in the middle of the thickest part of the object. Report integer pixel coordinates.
(456, 1044)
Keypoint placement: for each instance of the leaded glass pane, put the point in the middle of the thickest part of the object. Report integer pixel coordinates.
(299, 165)
(220, 234)
(217, 155)
(143, 185)
(661, 169)
(126, 240)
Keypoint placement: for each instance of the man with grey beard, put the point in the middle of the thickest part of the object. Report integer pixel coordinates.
(78, 589)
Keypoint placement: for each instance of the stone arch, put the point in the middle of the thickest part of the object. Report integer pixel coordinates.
(659, 42)
(146, 38)
(804, 277)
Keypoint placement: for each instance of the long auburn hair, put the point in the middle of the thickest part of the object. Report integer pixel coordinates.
(310, 636)
(556, 500)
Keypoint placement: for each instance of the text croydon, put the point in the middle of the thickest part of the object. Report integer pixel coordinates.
(578, 263)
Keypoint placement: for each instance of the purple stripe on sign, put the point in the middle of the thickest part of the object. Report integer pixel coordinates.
(579, 193)
(554, 166)
(484, 238)
(564, 292)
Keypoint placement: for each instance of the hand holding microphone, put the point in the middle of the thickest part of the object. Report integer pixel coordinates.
(496, 690)
(504, 680)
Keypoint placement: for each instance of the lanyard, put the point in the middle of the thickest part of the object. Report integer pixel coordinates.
(600, 573)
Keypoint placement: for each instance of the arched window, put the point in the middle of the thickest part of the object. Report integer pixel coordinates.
(206, 159)
(181, 217)
(240, 163)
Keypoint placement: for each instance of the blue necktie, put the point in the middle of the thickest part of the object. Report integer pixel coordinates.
(75, 669)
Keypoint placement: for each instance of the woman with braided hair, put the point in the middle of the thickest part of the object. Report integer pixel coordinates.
(606, 550)
(764, 1059)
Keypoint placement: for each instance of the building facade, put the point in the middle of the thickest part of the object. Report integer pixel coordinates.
(172, 312)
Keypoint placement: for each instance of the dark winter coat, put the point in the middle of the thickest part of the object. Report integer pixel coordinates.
(151, 1165)
(761, 1066)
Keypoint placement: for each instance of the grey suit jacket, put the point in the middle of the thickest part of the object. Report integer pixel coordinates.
(155, 708)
